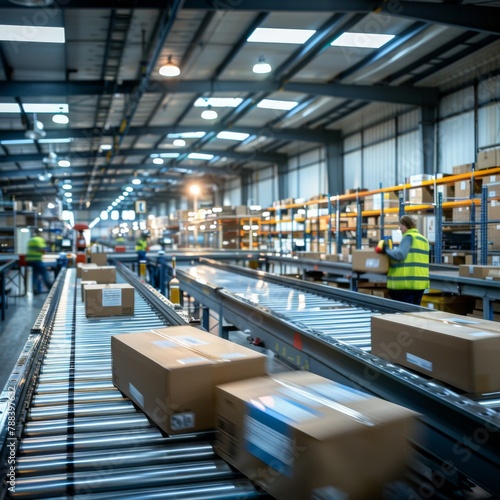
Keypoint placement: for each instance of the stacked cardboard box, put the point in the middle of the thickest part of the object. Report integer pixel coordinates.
(298, 435)
(80, 266)
(478, 272)
(452, 350)
(171, 373)
(488, 159)
(99, 274)
(368, 261)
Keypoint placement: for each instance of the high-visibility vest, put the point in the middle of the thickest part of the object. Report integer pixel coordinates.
(141, 245)
(413, 272)
(36, 249)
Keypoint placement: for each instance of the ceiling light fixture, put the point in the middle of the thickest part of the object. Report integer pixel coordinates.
(20, 33)
(170, 69)
(60, 118)
(36, 131)
(209, 113)
(32, 3)
(158, 161)
(136, 181)
(262, 66)
(179, 143)
(64, 163)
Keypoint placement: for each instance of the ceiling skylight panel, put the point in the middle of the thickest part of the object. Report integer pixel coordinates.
(280, 35)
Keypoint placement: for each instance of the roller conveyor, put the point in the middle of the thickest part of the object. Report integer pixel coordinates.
(327, 331)
(80, 438)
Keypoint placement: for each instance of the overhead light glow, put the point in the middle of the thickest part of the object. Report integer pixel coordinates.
(105, 147)
(158, 161)
(262, 67)
(104, 215)
(94, 222)
(69, 200)
(232, 136)
(50, 206)
(277, 104)
(209, 114)
(170, 69)
(179, 143)
(8, 107)
(129, 189)
(60, 119)
(66, 185)
(125, 193)
(16, 142)
(64, 163)
(68, 194)
(199, 156)
(62, 140)
(280, 35)
(169, 155)
(362, 40)
(27, 33)
(217, 102)
(136, 181)
(187, 135)
(121, 197)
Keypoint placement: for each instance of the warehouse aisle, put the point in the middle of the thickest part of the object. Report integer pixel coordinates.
(19, 318)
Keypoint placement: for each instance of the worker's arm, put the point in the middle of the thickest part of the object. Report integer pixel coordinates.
(401, 252)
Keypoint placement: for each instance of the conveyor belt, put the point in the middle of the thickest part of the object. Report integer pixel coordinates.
(82, 438)
(327, 331)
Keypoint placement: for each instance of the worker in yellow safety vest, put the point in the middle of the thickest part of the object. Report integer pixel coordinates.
(34, 259)
(408, 275)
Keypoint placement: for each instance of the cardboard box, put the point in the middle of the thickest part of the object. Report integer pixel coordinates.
(462, 356)
(99, 258)
(83, 284)
(488, 159)
(115, 299)
(459, 319)
(368, 261)
(299, 435)
(463, 188)
(80, 266)
(100, 274)
(171, 373)
(421, 195)
(479, 272)
(462, 169)
(453, 259)
(493, 274)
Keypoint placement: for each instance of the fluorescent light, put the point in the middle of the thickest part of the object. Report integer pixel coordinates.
(105, 147)
(217, 102)
(199, 156)
(280, 35)
(129, 189)
(16, 142)
(158, 161)
(94, 222)
(121, 197)
(66, 186)
(232, 136)
(51, 206)
(187, 135)
(60, 118)
(7, 107)
(125, 193)
(169, 155)
(136, 181)
(29, 33)
(68, 195)
(362, 40)
(63, 140)
(277, 104)
(179, 143)
(64, 163)
(69, 200)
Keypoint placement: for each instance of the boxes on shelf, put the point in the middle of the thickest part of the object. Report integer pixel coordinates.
(368, 261)
(463, 188)
(462, 169)
(298, 435)
(453, 259)
(114, 299)
(100, 274)
(417, 179)
(449, 303)
(462, 356)
(494, 275)
(477, 271)
(421, 195)
(374, 202)
(488, 159)
(462, 214)
(171, 373)
(493, 260)
(493, 210)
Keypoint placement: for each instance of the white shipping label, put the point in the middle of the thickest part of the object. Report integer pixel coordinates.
(493, 203)
(495, 260)
(492, 194)
(463, 185)
(111, 297)
(461, 321)
(417, 361)
(165, 343)
(372, 263)
(136, 394)
(180, 421)
(194, 359)
(233, 355)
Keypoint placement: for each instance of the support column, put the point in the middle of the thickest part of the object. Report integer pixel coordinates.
(282, 181)
(335, 165)
(428, 138)
(246, 179)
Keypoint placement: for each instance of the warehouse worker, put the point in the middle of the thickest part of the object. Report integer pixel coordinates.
(36, 249)
(141, 245)
(408, 275)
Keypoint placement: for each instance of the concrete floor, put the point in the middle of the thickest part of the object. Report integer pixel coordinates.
(14, 330)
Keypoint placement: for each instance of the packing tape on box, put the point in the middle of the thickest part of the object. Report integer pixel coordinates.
(190, 343)
(334, 405)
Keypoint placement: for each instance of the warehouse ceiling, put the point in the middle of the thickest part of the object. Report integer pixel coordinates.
(124, 116)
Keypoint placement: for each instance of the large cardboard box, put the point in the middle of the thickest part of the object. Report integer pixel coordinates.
(100, 274)
(171, 373)
(99, 258)
(81, 266)
(488, 159)
(368, 261)
(299, 435)
(463, 188)
(114, 299)
(458, 319)
(462, 169)
(422, 195)
(462, 356)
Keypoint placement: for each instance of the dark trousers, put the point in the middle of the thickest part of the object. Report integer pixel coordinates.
(409, 296)
(40, 274)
